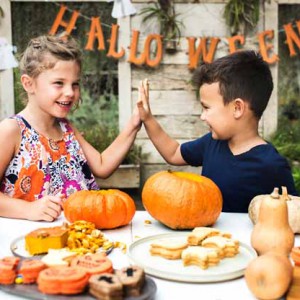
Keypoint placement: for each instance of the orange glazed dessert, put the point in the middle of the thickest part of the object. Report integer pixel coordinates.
(41, 240)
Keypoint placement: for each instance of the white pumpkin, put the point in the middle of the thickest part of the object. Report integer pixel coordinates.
(293, 203)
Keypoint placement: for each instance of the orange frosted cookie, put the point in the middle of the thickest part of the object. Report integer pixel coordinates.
(62, 280)
(30, 269)
(96, 263)
(8, 269)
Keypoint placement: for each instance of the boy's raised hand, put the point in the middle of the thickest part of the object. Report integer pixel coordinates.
(143, 100)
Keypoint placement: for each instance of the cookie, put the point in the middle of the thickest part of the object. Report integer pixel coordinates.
(96, 263)
(198, 234)
(8, 269)
(106, 286)
(62, 280)
(30, 269)
(58, 257)
(227, 247)
(200, 256)
(168, 248)
(133, 279)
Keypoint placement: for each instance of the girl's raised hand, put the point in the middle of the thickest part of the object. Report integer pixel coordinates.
(46, 209)
(143, 100)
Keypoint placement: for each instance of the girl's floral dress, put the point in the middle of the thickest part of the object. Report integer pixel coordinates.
(43, 166)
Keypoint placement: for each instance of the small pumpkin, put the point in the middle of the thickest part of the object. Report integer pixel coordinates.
(273, 232)
(107, 209)
(182, 200)
(293, 203)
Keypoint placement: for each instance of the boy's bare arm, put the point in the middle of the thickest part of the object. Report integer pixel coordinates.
(168, 148)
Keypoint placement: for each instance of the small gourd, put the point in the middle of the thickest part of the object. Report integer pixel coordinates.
(293, 203)
(272, 232)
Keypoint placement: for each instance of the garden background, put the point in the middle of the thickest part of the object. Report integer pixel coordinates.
(101, 113)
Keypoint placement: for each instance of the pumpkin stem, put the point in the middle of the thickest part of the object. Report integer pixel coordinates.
(285, 194)
(275, 193)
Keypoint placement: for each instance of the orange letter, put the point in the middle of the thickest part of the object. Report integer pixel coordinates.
(154, 62)
(95, 30)
(59, 21)
(232, 40)
(291, 37)
(133, 49)
(112, 43)
(264, 48)
(194, 55)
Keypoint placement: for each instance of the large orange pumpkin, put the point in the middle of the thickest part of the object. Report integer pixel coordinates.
(107, 209)
(182, 200)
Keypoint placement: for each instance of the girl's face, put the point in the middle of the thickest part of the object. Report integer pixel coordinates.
(218, 117)
(56, 90)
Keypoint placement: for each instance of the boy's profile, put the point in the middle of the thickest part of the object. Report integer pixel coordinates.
(234, 92)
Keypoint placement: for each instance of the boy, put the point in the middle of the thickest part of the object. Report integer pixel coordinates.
(234, 92)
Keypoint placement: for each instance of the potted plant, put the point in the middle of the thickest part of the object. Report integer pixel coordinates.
(164, 12)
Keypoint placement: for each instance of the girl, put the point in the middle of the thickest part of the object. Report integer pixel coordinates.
(43, 157)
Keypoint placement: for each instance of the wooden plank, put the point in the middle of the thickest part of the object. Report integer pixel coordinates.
(124, 68)
(164, 77)
(270, 117)
(173, 102)
(7, 106)
(153, 156)
(187, 127)
(126, 176)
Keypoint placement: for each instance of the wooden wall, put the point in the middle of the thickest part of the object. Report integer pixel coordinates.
(173, 99)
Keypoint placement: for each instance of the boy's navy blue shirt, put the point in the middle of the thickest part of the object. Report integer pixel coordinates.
(239, 177)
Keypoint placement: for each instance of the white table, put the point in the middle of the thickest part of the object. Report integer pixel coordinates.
(238, 224)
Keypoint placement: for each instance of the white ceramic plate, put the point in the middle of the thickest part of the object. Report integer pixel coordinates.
(17, 247)
(228, 268)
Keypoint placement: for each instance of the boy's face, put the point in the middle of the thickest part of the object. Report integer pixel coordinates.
(218, 117)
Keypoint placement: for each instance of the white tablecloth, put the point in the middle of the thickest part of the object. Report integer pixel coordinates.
(238, 224)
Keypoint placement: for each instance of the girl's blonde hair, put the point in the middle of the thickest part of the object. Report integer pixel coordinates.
(44, 51)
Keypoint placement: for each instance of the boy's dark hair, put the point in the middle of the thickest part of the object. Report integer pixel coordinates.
(243, 74)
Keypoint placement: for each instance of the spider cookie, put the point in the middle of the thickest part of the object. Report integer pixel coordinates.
(200, 233)
(106, 286)
(133, 279)
(168, 248)
(227, 247)
(200, 256)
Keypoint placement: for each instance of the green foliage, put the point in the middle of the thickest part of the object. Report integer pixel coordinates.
(296, 175)
(97, 120)
(165, 14)
(241, 16)
(286, 140)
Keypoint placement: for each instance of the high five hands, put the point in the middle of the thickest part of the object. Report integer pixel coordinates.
(143, 100)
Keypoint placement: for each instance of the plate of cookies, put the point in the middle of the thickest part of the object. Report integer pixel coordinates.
(202, 255)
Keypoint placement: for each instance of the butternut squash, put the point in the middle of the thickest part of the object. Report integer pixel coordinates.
(272, 232)
(293, 203)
